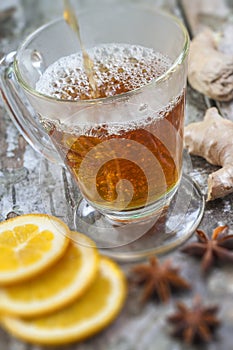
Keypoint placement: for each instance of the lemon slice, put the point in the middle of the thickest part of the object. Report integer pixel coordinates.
(29, 244)
(58, 286)
(81, 319)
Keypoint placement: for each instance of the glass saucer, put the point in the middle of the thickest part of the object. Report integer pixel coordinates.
(162, 233)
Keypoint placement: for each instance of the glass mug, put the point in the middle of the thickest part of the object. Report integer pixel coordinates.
(124, 151)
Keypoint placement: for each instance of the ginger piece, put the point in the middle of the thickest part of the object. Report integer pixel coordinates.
(212, 139)
(210, 70)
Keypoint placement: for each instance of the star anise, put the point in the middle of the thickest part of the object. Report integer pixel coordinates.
(212, 249)
(194, 324)
(159, 279)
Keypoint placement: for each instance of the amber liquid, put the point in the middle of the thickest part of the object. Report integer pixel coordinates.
(74, 149)
(132, 167)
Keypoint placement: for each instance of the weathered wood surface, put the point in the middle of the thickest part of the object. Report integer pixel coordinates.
(29, 183)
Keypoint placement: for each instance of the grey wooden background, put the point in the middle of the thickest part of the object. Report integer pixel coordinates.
(29, 183)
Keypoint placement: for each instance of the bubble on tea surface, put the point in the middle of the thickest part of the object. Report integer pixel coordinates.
(118, 68)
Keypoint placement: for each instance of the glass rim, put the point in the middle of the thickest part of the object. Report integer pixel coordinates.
(176, 63)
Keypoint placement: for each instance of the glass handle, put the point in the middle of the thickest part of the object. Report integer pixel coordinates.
(22, 113)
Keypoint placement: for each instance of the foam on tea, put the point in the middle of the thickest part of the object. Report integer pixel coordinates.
(117, 69)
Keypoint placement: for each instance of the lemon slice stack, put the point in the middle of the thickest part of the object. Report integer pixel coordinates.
(53, 291)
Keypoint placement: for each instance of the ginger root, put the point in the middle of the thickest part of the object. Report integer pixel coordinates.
(210, 71)
(212, 139)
